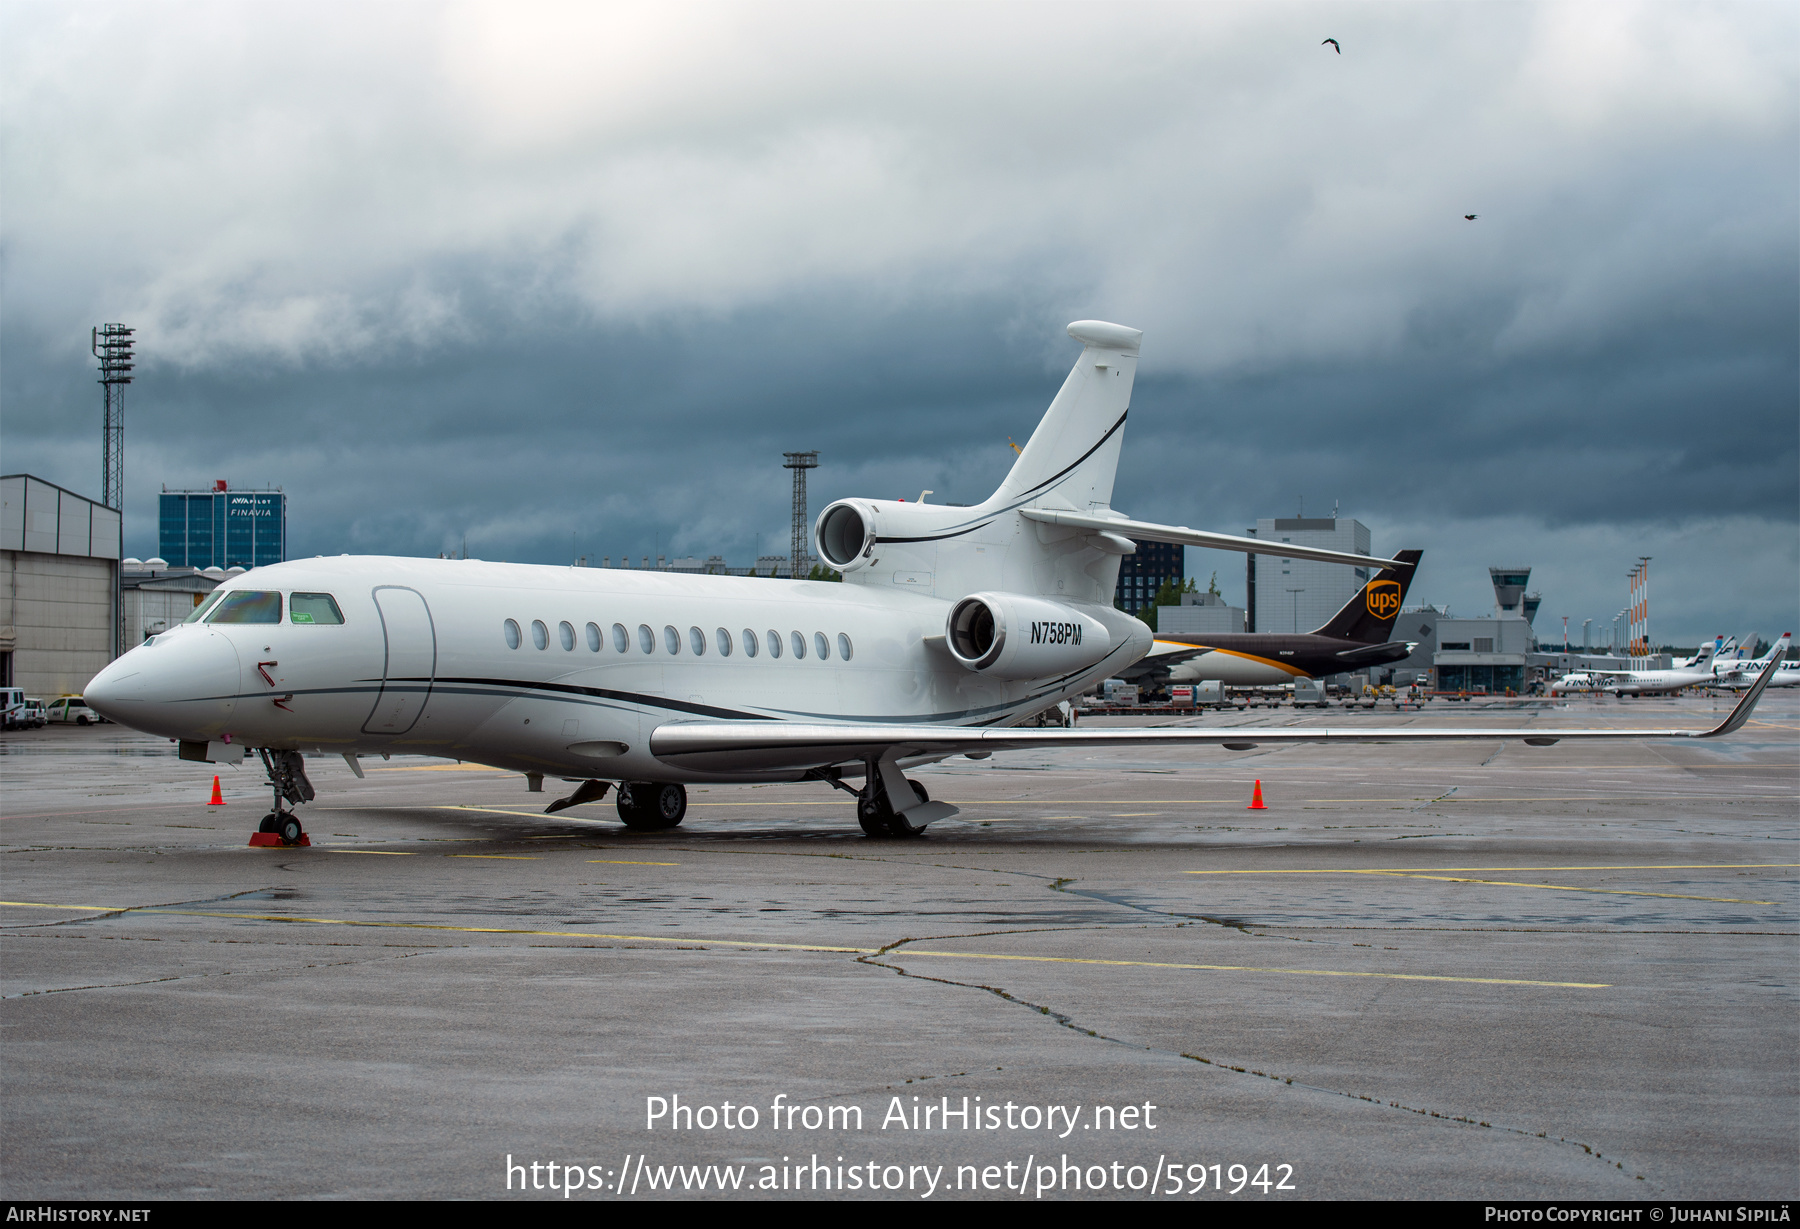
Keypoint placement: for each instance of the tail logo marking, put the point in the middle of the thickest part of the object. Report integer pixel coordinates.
(1384, 598)
(1055, 633)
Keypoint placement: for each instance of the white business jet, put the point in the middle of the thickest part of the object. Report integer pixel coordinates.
(951, 625)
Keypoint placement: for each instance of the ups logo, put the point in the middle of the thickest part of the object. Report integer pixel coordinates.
(1384, 598)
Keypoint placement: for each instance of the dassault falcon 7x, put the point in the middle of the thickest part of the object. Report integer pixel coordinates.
(952, 625)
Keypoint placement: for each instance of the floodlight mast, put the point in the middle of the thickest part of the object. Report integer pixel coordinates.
(112, 345)
(799, 462)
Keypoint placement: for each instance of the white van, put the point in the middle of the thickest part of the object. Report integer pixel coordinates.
(12, 707)
(71, 709)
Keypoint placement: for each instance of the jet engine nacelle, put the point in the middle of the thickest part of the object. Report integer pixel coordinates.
(1011, 636)
(854, 533)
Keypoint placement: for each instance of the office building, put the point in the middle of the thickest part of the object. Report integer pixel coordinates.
(1298, 595)
(1142, 574)
(222, 528)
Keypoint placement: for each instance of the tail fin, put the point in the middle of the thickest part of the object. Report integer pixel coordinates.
(1778, 651)
(1368, 618)
(1071, 458)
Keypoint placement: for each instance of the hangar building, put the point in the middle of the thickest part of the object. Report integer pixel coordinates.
(58, 603)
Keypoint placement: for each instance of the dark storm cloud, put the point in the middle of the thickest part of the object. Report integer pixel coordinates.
(570, 279)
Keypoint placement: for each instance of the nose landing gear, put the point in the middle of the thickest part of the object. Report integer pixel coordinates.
(287, 778)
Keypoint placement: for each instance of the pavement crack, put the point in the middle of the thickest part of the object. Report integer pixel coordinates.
(1074, 1026)
(175, 977)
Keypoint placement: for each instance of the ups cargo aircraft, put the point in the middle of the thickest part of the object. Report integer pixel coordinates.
(952, 625)
(1355, 639)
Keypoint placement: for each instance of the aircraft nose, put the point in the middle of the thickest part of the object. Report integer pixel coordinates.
(179, 686)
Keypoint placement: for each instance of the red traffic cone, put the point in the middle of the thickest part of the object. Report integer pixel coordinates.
(218, 799)
(1256, 802)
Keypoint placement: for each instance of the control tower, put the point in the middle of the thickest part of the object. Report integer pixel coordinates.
(1509, 590)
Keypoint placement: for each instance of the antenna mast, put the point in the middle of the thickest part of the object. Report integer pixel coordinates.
(799, 462)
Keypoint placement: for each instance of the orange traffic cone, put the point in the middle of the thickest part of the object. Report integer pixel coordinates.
(1256, 802)
(218, 799)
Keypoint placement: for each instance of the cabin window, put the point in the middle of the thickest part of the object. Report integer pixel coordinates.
(566, 634)
(313, 608)
(821, 646)
(512, 634)
(844, 649)
(201, 610)
(724, 639)
(646, 638)
(774, 643)
(750, 645)
(621, 639)
(247, 606)
(697, 641)
(540, 635)
(671, 640)
(799, 643)
(593, 634)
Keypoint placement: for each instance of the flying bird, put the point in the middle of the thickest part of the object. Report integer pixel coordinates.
(1334, 45)
(1469, 217)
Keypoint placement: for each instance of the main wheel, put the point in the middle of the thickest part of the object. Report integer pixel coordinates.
(290, 830)
(649, 807)
(269, 822)
(877, 818)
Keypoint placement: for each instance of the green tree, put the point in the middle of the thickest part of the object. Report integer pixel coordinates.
(821, 572)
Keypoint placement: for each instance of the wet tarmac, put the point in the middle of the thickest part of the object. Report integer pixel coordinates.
(1479, 970)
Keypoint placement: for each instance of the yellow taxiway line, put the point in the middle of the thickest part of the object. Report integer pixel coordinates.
(1442, 876)
(752, 944)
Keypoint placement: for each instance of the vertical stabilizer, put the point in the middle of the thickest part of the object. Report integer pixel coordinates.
(1071, 458)
(1368, 618)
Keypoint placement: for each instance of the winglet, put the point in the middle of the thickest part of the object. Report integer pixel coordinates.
(1741, 713)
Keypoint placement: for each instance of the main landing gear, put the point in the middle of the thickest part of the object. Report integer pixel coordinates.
(646, 806)
(876, 813)
(287, 778)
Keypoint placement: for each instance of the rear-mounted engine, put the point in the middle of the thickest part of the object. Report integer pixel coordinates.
(1010, 636)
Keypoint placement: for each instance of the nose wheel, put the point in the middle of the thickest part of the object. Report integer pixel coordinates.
(287, 778)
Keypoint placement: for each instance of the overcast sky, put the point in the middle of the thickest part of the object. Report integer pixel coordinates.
(568, 279)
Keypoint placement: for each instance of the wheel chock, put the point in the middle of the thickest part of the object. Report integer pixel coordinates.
(270, 840)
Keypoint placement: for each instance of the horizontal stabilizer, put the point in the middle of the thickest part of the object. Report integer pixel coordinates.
(1376, 654)
(1150, 532)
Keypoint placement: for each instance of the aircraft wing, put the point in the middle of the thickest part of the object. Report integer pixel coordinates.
(762, 746)
(1170, 653)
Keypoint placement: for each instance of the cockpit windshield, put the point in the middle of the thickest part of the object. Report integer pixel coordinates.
(247, 606)
(201, 610)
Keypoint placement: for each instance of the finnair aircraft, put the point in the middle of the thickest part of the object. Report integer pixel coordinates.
(1626, 683)
(1783, 673)
(951, 626)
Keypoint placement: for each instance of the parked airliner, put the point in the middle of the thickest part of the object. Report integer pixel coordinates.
(1782, 672)
(952, 624)
(1626, 683)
